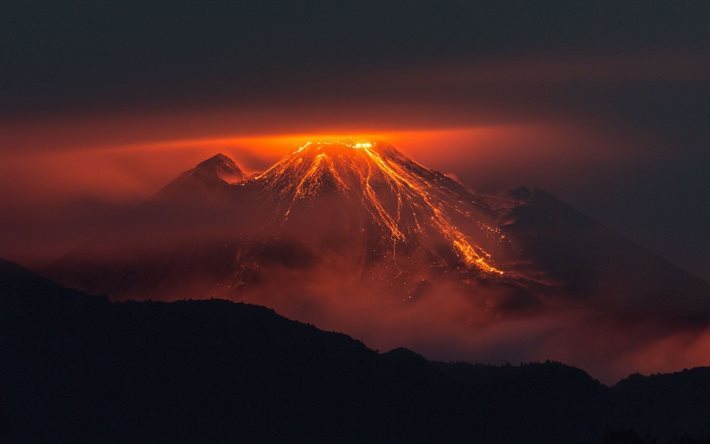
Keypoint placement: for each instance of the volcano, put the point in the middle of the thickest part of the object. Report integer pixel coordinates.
(364, 208)
(391, 202)
(366, 212)
(340, 232)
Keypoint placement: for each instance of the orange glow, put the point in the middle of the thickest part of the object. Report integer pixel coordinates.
(58, 165)
(113, 159)
(281, 144)
(369, 162)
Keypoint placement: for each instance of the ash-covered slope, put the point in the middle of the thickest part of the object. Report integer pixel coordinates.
(596, 265)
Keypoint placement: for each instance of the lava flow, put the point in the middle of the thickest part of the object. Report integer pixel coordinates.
(404, 198)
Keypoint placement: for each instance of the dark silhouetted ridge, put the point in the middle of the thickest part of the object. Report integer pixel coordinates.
(76, 367)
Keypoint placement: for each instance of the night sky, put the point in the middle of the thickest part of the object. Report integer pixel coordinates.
(605, 104)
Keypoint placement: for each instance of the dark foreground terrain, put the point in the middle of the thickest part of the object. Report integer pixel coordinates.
(76, 367)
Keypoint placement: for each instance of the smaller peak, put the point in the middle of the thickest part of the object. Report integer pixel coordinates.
(219, 159)
(209, 175)
(222, 167)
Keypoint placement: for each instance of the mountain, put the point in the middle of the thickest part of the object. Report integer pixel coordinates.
(207, 180)
(364, 209)
(77, 367)
(372, 214)
(360, 238)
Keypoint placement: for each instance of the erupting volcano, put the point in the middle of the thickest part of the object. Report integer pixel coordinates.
(398, 197)
(356, 236)
(367, 213)
(360, 210)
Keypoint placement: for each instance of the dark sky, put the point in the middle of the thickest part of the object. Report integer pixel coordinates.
(630, 78)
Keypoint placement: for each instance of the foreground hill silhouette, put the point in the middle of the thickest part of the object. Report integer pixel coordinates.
(80, 368)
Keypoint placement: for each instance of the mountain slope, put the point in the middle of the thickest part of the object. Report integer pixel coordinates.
(597, 264)
(80, 368)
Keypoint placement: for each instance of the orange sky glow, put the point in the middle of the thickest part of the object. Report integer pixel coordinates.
(134, 157)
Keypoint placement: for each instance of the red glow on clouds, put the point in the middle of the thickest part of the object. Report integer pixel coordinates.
(135, 158)
(50, 169)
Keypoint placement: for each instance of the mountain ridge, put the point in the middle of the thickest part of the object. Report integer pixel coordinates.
(84, 368)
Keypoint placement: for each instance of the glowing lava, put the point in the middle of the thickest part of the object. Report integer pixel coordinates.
(404, 198)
